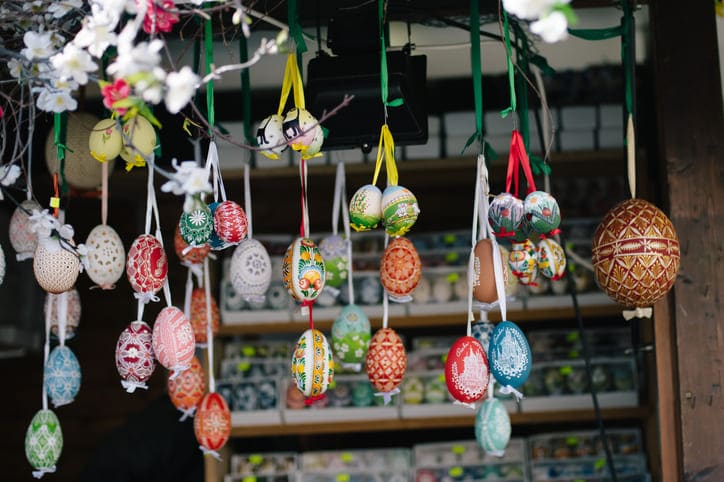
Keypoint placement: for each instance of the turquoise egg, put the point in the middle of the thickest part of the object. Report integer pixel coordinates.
(492, 427)
(43, 441)
(542, 212)
(509, 355)
(62, 376)
(351, 333)
(362, 394)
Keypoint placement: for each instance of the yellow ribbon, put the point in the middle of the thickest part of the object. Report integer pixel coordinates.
(386, 149)
(292, 81)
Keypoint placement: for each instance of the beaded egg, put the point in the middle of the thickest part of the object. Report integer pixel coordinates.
(106, 256)
(509, 355)
(187, 389)
(186, 253)
(173, 340)
(270, 136)
(142, 138)
(303, 271)
(212, 423)
(198, 315)
(551, 259)
(146, 265)
(134, 355)
(400, 269)
(399, 210)
(386, 360)
(303, 132)
(22, 238)
(365, 208)
(56, 267)
(351, 334)
(230, 223)
(196, 224)
(523, 261)
(43, 442)
(492, 427)
(62, 376)
(312, 364)
(505, 215)
(542, 212)
(466, 370)
(105, 141)
(635, 254)
(334, 252)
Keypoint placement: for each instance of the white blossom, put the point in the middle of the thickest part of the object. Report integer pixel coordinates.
(151, 86)
(9, 173)
(551, 28)
(15, 66)
(52, 100)
(97, 33)
(74, 62)
(62, 83)
(38, 45)
(131, 59)
(181, 87)
(189, 179)
(60, 8)
(530, 9)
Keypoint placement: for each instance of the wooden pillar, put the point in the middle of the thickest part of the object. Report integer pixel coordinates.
(690, 325)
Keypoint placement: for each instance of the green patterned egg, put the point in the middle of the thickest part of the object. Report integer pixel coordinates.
(541, 210)
(365, 208)
(334, 252)
(492, 427)
(399, 210)
(43, 441)
(351, 333)
(196, 224)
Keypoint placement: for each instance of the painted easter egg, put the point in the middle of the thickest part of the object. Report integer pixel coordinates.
(212, 423)
(312, 364)
(216, 243)
(399, 210)
(186, 253)
(230, 223)
(484, 289)
(72, 312)
(466, 370)
(105, 140)
(492, 427)
(22, 238)
(511, 282)
(400, 269)
(303, 132)
(482, 331)
(509, 355)
(551, 259)
(173, 339)
(542, 212)
(146, 265)
(142, 138)
(43, 441)
(134, 355)
(351, 334)
(505, 214)
(250, 270)
(62, 376)
(412, 390)
(303, 271)
(198, 315)
(524, 231)
(365, 208)
(196, 224)
(106, 256)
(187, 389)
(2, 265)
(56, 269)
(334, 252)
(270, 136)
(436, 390)
(386, 360)
(362, 394)
(635, 254)
(294, 398)
(523, 261)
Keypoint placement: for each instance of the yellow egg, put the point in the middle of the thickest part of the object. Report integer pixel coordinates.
(139, 140)
(105, 141)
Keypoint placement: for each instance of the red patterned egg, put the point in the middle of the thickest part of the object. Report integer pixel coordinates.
(56, 268)
(635, 254)
(212, 423)
(23, 239)
(386, 360)
(134, 355)
(523, 261)
(72, 317)
(303, 270)
(198, 315)
(400, 269)
(146, 265)
(187, 254)
(466, 370)
(187, 389)
(173, 339)
(230, 222)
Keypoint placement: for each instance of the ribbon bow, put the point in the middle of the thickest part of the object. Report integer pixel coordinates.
(637, 313)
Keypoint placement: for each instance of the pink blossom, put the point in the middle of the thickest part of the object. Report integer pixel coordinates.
(159, 16)
(116, 91)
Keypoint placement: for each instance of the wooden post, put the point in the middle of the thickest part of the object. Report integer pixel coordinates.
(690, 325)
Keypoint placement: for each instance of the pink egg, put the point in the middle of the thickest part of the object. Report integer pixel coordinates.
(134, 355)
(230, 222)
(212, 423)
(466, 370)
(173, 339)
(386, 360)
(146, 265)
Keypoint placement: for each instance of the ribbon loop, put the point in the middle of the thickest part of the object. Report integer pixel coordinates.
(292, 82)
(386, 151)
(130, 387)
(507, 390)
(637, 313)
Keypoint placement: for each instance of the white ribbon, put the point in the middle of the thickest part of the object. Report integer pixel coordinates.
(355, 367)
(213, 453)
(209, 332)
(145, 297)
(387, 396)
(46, 351)
(507, 390)
(24, 256)
(247, 200)
(130, 387)
(38, 474)
(61, 309)
(637, 313)
(464, 404)
(187, 413)
(189, 291)
(178, 370)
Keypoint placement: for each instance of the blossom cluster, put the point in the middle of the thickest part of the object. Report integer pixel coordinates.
(549, 18)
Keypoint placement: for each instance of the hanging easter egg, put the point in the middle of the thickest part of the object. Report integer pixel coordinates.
(365, 208)
(105, 140)
(62, 376)
(186, 253)
(134, 355)
(509, 355)
(212, 423)
(187, 389)
(334, 252)
(215, 242)
(303, 271)
(80, 169)
(484, 289)
(56, 267)
(196, 224)
(524, 231)
(511, 282)
(505, 214)
(173, 339)
(400, 269)
(198, 315)
(399, 210)
(250, 270)
(230, 222)
(73, 310)
(303, 132)
(106, 256)
(482, 331)
(551, 259)
(270, 136)
(386, 360)
(466, 370)
(2, 265)
(542, 212)
(351, 335)
(312, 364)
(22, 238)
(146, 265)
(523, 261)
(142, 137)
(43, 442)
(492, 427)
(635, 254)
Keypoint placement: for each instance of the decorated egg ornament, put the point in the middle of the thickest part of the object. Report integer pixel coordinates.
(303, 271)
(173, 340)
(365, 208)
(230, 222)
(523, 261)
(635, 254)
(399, 210)
(551, 259)
(484, 274)
(400, 269)
(142, 138)
(106, 256)
(466, 370)
(105, 141)
(146, 265)
(386, 360)
(334, 252)
(22, 238)
(542, 212)
(134, 356)
(43, 442)
(492, 427)
(270, 136)
(56, 268)
(303, 132)
(186, 253)
(351, 335)
(509, 355)
(312, 364)
(212, 423)
(72, 314)
(506, 214)
(196, 224)
(187, 389)
(62, 376)
(198, 315)
(2, 265)
(250, 270)
(215, 242)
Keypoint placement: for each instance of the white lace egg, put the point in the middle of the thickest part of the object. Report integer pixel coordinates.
(250, 270)
(106, 256)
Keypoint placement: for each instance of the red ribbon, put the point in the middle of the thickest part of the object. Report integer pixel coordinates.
(308, 304)
(518, 157)
(302, 175)
(311, 400)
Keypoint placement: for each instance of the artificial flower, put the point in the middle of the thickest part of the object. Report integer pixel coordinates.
(181, 87)
(189, 179)
(61, 8)
(114, 92)
(9, 173)
(551, 28)
(150, 85)
(38, 45)
(55, 100)
(530, 9)
(132, 59)
(97, 33)
(159, 18)
(15, 66)
(64, 83)
(73, 62)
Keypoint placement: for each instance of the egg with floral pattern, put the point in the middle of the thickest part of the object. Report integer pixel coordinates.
(312, 364)
(270, 136)
(62, 376)
(492, 427)
(139, 141)
(505, 215)
(509, 354)
(187, 389)
(212, 423)
(215, 242)
(230, 223)
(523, 261)
(334, 251)
(198, 315)
(400, 269)
(173, 339)
(250, 270)
(303, 270)
(146, 265)
(399, 210)
(196, 224)
(365, 208)
(186, 253)
(386, 360)
(106, 256)
(105, 140)
(43, 441)
(542, 212)
(466, 370)
(134, 355)
(551, 259)
(56, 266)
(22, 238)
(351, 334)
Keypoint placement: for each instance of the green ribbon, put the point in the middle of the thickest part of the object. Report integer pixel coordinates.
(475, 63)
(521, 57)
(596, 33)
(209, 58)
(245, 92)
(627, 22)
(295, 29)
(509, 60)
(60, 127)
(383, 59)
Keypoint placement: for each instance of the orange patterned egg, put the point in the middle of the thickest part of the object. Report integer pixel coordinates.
(635, 253)
(400, 269)
(186, 254)
(187, 389)
(212, 423)
(198, 315)
(386, 360)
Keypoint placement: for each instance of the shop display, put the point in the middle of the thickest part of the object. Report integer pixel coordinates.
(263, 467)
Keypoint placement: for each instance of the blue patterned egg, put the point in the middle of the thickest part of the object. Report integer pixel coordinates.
(43, 442)
(351, 333)
(492, 427)
(334, 252)
(62, 376)
(542, 212)
(505, 215)
(509, 355)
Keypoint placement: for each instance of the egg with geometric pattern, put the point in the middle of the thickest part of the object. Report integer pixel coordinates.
(198, 316)
(312, 364)
(135, 361)
(212, 423)
(492, 427)
(196, 223)
(230, 223)
(250, 270)
(187, 389)
(146, 265)
(386, 360)
(56, 267)
(106, 256)
(186, 253)
(400, 269)
(22, 238)
(43, 442)
(173, 340)
(62, 376)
